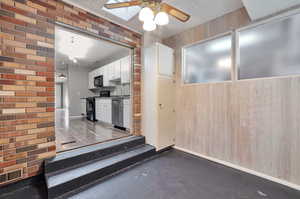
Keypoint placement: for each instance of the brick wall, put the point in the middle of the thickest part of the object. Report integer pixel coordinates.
(27, 133)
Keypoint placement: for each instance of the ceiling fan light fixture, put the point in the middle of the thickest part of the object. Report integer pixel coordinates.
(149, 25)
(146, 14)
(161, 18)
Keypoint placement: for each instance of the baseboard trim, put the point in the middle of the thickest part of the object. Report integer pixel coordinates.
(273, 179)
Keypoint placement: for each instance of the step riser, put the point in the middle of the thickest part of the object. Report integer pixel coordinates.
(63, 164)
(92, 177)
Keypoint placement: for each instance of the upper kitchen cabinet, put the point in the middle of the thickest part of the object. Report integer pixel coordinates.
(125, 70)
(106, 75)
(115, 70)
(119, 70)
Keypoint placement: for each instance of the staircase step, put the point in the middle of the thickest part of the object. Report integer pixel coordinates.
(74, 178)
(78, 156)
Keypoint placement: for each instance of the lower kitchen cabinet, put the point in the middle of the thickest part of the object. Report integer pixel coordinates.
(126, 113)
(103, 110)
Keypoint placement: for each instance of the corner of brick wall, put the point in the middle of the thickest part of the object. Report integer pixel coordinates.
(27, 132)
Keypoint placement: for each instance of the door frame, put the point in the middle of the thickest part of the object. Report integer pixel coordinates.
(133, 91)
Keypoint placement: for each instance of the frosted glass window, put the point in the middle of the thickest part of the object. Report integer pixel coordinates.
(208, 61)
(272, 49)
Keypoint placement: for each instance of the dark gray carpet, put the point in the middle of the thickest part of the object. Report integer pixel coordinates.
(175, 175)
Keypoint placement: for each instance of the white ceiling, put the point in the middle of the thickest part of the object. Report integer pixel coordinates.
(262, 8)
(86, 50)
(200, 10)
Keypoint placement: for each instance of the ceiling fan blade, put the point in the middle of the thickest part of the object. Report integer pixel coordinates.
(178, 14)
(122, 4)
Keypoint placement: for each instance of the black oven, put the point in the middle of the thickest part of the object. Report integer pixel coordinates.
(98, 81)
(90, 109)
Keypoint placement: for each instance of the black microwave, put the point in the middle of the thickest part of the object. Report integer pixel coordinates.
(98, 81)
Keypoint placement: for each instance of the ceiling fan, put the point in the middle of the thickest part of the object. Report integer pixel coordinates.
(153, 12)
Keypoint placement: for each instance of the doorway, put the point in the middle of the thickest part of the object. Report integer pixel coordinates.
(91, 75)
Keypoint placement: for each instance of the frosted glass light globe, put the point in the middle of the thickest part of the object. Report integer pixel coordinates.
(161, 19)
(149, 25)
(146, 14)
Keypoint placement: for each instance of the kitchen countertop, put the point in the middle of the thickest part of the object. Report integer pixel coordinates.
(111, 97)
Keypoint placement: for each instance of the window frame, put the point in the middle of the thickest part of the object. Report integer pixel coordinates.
(270, 20)
(218, 36)
(235, 49)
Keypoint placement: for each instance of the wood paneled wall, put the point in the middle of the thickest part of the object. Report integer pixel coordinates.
(27, 133)
(253, 124)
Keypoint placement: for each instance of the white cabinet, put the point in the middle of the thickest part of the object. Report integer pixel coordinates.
(125, 70)
(103, 110)
(159, 117)
(115, 70)
(126, 113)
(106, 76)
(120, 69)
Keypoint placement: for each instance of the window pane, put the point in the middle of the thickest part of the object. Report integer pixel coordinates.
(271, 49)
(208, 61)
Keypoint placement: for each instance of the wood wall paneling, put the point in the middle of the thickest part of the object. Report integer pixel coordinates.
(253, 124)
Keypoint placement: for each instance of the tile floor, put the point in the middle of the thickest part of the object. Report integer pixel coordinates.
(74, 133)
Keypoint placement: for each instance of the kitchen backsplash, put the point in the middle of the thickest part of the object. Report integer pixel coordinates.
(117, 90)
(121, 90)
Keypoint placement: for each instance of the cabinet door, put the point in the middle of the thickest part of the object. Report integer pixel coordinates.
(108, 111)
(100, 71)
(165, 60)
(105, 76)
(98, 109)
(94, 74)
(102, 114)
(97, 72)
(166, 113)
(126, 113)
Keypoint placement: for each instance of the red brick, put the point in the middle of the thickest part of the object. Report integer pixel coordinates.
(43, 13)
(13, 20)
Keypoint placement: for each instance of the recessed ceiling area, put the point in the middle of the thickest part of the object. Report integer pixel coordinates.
(84, 49)
(123, 13)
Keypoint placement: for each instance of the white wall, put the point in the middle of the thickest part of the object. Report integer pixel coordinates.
(262, 8)
(77, 87)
